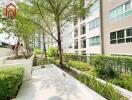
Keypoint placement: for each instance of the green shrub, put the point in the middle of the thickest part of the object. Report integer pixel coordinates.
(116, 63)
(78, 65)
(10, 82)
(75, 57)
(105, 90)
(40, 61)
(52, 52)
(37, 50)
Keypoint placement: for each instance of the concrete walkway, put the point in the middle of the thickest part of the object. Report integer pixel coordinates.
(51, 83)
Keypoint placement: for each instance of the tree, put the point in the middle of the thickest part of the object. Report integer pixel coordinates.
(55, 12)
(21, 28)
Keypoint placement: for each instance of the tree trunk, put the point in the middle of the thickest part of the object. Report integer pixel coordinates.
(59, 42)
(44, 44)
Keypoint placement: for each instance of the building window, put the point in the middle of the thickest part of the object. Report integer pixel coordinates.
(121, 11)
(113, 38)
(75, 21)
(121, 36)
(83, 30)
(76, 44)
(94, 41)
(75, 33)
(82, 18)
(83, 42)
(94, 24)
(127, 6)
(94, 7)
(129, 35)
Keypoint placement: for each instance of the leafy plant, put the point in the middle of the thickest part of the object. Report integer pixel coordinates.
(52, 52)
(119, 64)
(37, 50)
(105, 90)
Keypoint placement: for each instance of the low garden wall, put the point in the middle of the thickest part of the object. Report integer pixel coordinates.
(24, 63)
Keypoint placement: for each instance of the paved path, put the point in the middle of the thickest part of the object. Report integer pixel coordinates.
(50, 83)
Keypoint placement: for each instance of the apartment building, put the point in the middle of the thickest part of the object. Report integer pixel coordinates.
(106, 29)
(117, 26)
(87, 31)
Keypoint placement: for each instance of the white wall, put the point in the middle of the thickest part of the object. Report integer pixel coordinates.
(26, 64)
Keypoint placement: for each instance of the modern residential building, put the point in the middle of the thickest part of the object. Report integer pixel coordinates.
(87, 31)
(117, 26)
(106, 29)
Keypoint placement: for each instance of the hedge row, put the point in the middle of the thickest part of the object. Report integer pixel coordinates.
(10, 82)
(43, 61)
(122, 64)
(117, 63)
(78, 65)
(74, 57)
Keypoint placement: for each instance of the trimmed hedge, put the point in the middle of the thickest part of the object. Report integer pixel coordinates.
(43, 61)
(10, 82)
(78, 65)
(75, 57)
(119, 64)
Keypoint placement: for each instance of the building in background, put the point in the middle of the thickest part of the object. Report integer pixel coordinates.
(117, 26)
(67, 38)
(106, 29)
(37, 41)
(87, 31)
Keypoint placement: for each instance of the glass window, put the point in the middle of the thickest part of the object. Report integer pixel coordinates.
(121, 36)
(127, 6)
(94, 23)
(94, 41)
(119, 10)
(112, 14)
(113, 38)
(94, 7)
(83, 30)
(129, 32)
(129, 35)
